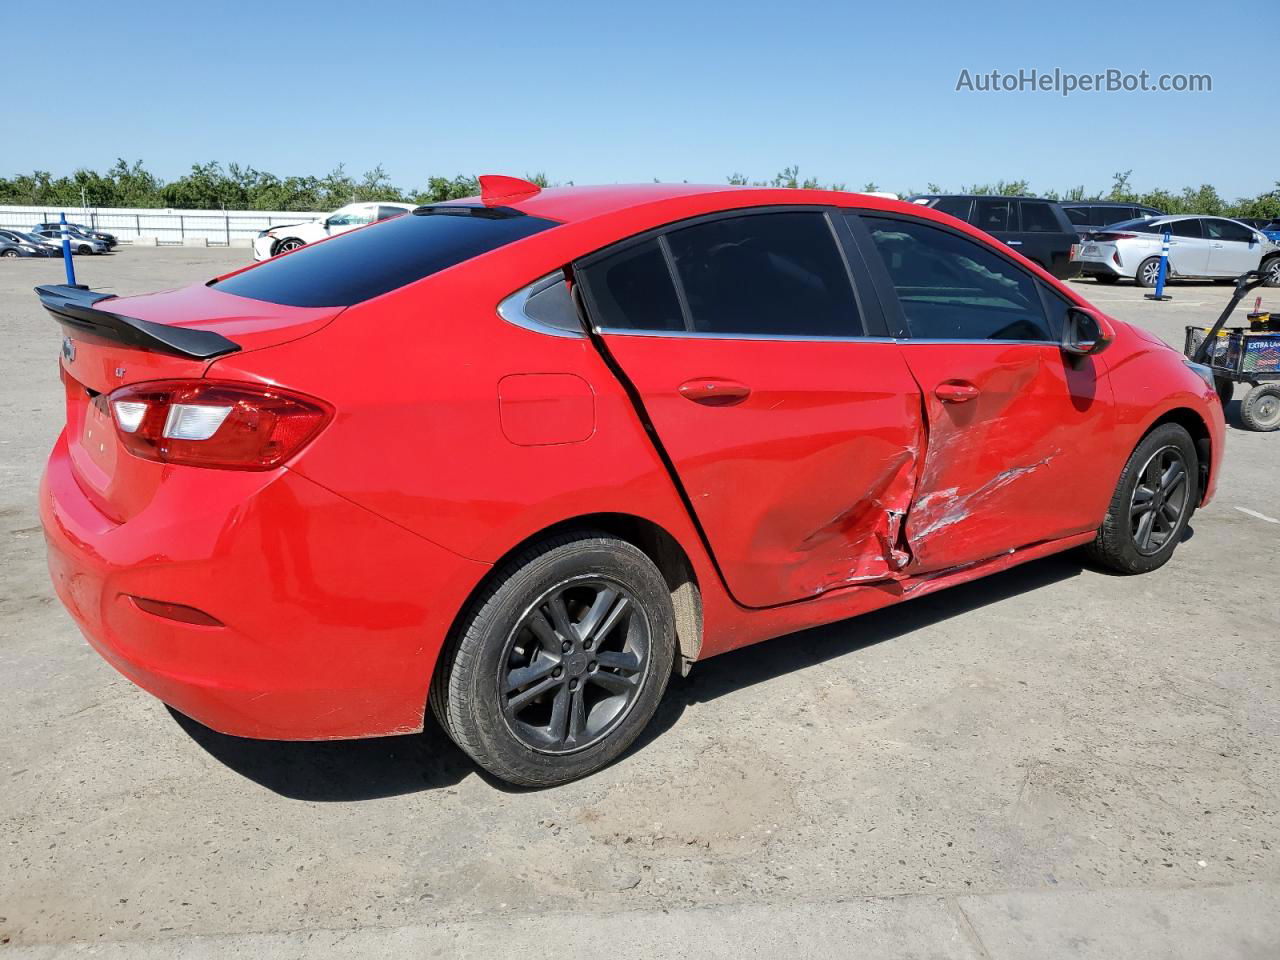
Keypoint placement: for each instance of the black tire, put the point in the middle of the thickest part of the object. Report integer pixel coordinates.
(501, 675)
(1260, 408)
(287, 244)
(84, 249)
(1106, 278)
(1225, 388)
(1119, 545)
(1271, 268)
(1147, 272)
(9, 253)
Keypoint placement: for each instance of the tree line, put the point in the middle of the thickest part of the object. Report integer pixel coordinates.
(211, 186)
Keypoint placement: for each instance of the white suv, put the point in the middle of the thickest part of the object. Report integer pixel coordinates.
(291, 236)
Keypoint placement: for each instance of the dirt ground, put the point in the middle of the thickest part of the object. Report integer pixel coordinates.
(1049, 762)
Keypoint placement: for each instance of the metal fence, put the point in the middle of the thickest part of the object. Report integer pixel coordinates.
(169, 227)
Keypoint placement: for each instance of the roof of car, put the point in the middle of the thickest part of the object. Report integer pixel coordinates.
(577, 203)
(977, 196)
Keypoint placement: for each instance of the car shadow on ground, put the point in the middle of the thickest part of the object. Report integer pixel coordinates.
(356, 770)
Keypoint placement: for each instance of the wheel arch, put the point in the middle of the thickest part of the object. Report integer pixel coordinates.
(1191, 421)
(652, 539)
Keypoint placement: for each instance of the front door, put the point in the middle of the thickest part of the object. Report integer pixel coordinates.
(794, 437)
(1014, 429)
(1233, 249)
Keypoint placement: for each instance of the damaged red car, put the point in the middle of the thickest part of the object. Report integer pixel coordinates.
(517, 458)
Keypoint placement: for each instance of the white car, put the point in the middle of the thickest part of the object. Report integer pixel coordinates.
(1199, 248)
(290, 236)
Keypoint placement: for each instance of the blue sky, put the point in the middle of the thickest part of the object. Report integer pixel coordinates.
(604, 92)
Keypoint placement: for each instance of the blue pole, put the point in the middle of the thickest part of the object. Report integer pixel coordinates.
(1164, 262)
(66, 252)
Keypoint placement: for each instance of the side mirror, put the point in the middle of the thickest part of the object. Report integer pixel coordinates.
(1086, 333)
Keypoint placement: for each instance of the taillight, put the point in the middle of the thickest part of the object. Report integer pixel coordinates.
(210, 423)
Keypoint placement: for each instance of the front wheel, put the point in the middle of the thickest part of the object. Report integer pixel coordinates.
(290, 243)
(561, 663)
(1148, 272)
(1271, 271)
(1260, 408)
(84, 249)
(1158, 490)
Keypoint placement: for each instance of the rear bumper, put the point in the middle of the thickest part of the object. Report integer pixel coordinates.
(262, 247)
(332, 617)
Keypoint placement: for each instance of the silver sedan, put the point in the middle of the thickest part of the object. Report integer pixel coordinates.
(1199, 248)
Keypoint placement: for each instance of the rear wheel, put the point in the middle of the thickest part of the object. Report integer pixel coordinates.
(9, 253)
(1148, 272)
(1105, 278)
(561, 663)
(1157, 492)
(289, 243)
(1260, 408)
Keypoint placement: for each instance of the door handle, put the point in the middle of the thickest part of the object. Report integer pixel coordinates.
(711, 392)
(955, 391)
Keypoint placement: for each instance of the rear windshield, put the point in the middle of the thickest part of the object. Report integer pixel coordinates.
(377, 259)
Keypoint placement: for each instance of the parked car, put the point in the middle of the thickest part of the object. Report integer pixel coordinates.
(35, 245)
(282, 239)
(515, 457)
(1037, 229)
(1199, 248)
(11, 250)
(81, 230)
(1271, 230)
(80, 243)
(1091, 215)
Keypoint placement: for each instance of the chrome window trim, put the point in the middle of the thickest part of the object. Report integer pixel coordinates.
(905, 341)
(511, 309)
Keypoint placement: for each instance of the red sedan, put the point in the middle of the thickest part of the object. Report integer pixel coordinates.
(519, 457)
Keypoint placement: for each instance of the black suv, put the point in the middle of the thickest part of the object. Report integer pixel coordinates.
(1088, 216)
(1036, 228)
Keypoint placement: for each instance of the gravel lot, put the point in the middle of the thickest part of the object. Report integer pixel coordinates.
(1049, 762)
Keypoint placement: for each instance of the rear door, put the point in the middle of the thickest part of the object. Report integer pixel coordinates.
(1041, 237)
(1233, 248)
(793, 434)
(1188, 247)
(1014, 430)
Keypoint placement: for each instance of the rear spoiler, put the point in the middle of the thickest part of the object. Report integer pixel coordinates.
(75, 309)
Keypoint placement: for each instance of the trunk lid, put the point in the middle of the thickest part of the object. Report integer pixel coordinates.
(110, 342)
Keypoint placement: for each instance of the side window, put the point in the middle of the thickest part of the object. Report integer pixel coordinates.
(765, 274)
(993, 215)
(1182, 228)
(633, 290)
(951, 288)
(1226, 230)
(1038, 217)
(386, 213)
(1079, 216)
(1057, 308)
(957, 207)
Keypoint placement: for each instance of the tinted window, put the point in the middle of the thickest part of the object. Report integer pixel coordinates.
(951, 288)
(386, 213)
(1181, 228)
(633, 290)
(1038, 218)
(367, 263)
(993, 215)
(1078, 216)
(550, 303)
(766, 274)
(955, 206)
(1226, 230)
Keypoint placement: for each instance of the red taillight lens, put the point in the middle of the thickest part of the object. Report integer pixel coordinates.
(210, 423)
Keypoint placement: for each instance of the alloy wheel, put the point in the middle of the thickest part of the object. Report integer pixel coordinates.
(574, 665)
(1159, 500)
(1150, 273)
